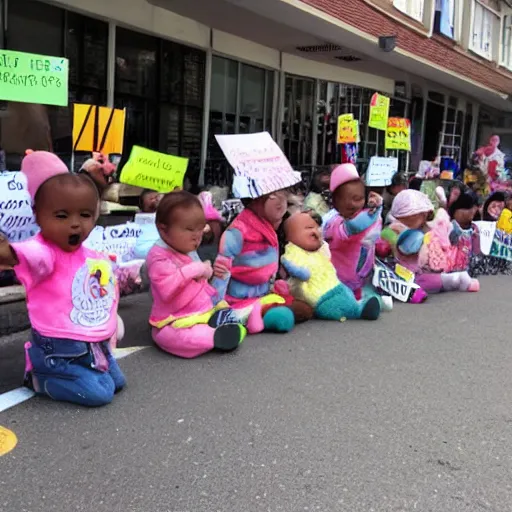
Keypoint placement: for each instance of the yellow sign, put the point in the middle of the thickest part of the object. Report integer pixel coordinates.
(98, 129)
(356, 131)
(398, 134)
(8, 441)
(346, 129)
(404, 273)
(505, 221)
(153, 170)
(379, 112)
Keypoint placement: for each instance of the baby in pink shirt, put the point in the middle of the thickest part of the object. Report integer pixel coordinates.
(188, 316)
(72, 296)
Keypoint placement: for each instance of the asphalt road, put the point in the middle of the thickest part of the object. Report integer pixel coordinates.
(410, 413)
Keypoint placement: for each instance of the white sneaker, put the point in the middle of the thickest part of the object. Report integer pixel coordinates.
(387, 302)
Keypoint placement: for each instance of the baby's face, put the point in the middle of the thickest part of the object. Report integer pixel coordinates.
(303, 231)
(184, 229)
(67, 213)
(349, 199)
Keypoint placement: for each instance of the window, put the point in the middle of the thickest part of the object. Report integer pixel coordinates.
(161, 84)
(297, 128)
(444, 21)
(486, 23)
(240, 102)
(413, 8)
(36, 27)
(506, 58)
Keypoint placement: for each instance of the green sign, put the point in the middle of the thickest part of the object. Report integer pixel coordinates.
(31, 78)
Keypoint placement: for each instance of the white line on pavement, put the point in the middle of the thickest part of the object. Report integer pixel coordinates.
(20, 395)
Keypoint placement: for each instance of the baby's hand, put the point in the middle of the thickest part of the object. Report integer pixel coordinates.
(208, 270)
(7, 256)
(220, 270)
(374, 200)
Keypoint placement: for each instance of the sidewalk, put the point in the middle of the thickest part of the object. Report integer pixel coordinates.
(13, 311)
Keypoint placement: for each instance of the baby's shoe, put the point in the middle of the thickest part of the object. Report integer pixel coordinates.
(474, 286)
(228, 337)
(419, 296)
(371, 309)
(279, 319)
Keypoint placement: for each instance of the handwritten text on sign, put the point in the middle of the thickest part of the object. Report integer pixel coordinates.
(502, 243)
(381, 171)
(17, 220)
(379, 111)
(385, 279)
(347, 129)
(259, 164)
(153, 170)
(119, 240)
(32, 78)
(398, 134)
(487, 230)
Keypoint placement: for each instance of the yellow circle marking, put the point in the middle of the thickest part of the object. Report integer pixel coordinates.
(8, 440)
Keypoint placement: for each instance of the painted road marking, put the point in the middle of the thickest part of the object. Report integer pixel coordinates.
(20, 395)
(8, 440)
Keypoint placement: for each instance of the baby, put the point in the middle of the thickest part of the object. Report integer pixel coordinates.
(72, 296)
(188, 316)
(313, 277)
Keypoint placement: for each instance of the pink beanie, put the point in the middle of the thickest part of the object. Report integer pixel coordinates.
(40, 166)
(410, 202)
(343, 174)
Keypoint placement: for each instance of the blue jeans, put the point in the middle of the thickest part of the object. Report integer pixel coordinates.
(67, 370)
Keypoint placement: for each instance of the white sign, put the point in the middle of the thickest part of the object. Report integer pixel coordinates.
(487, 230)
(259, 164)
(381, 171)
(117, 240)
(144, 218)
(385, 279)
(17, 220)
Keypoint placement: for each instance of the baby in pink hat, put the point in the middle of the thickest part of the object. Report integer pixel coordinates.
(72, 296)
(424, 247)
(351, 229)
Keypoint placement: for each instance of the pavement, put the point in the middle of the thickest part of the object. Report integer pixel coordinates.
(409, 413)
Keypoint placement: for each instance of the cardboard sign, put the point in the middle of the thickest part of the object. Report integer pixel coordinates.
(487, 230)
(98, 129)
(17, 220)
(157, 171)
(259, 164)
(347, 129)
(501, 246)
(119, 240)
(398, 134)
(379, 112)
(385, 279)
(32, 78)
(380, 171)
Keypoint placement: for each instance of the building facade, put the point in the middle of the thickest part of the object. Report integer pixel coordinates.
(186, 71)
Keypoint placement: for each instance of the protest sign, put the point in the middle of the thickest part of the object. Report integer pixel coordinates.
(98, 129)
(144, 218)
(17, 220)
(398, 134)
(119, 240)
(157, 171)
(501, 246)
(380, 171)
(385, 279)
(347, 129)
(32, 78)
(379, 112)
(487, 230)
(259, 164)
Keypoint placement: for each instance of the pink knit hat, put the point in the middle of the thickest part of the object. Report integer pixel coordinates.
(343, 174)
(40, 166)
(410, 202)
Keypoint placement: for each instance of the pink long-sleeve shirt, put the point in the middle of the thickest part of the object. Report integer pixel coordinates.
(178, 285)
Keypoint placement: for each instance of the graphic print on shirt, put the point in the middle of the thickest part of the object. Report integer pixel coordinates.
(366, 259)
(93, 293)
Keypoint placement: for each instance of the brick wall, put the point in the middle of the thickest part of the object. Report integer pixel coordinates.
(438, 49)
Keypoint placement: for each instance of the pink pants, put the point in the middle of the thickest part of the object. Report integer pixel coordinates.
(188, 343)
(435, 283)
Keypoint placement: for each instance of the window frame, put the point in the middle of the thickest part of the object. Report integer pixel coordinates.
(506, 62)
(495, 35)
(406, 7)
